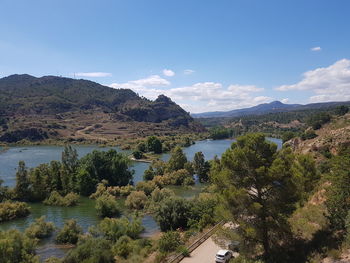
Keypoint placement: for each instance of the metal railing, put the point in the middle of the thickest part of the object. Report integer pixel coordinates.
(197, 243)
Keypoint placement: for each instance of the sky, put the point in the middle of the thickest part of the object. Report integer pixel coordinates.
(207, 55)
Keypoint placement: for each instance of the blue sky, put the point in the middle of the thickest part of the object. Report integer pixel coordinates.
(205, 55)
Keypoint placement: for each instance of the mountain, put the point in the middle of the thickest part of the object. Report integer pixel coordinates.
(55, 107)
(275, 106)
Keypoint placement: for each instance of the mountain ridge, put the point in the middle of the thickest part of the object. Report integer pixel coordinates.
(71, 108)
(275, 106)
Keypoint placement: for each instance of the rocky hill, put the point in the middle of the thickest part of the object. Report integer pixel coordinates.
(54, 107)
(330, 138)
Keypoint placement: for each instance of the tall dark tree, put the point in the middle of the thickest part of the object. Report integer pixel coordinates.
(177, 159)
(154, 144)
(201, 167)
(22, 191)
(258, 190)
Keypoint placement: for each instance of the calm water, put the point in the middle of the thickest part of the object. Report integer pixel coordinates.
(85, 213)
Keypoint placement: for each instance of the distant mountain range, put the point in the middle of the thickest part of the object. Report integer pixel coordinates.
(56, 107)
(275, 106)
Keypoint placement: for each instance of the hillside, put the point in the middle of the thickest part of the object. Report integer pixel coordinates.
(330, 138)
(54, 107)
(272, 107)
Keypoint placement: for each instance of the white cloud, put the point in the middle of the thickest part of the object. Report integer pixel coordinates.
(168, 72)
(199, 97)
(315, 49)
(329, 84)
(188, 71)
(92, 74)
(286, 100)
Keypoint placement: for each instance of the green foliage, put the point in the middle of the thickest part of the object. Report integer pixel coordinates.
(338, 197)
(157, 196)
(169, 241)
(136, 200)
(341, 110)
(154, 145)
(177, 159)
(40, 228)
(146, 187)
(123, 247)
(113, 228)
(308, 135)
(288, 135)
(203, 211)
(137, 155)
(181, 177)
(5, 193)
(11, 210)
(201, 167)
(16, 247)
(98, 165)
(317, 120)
(258, 189)
(69, 233)
(220, 132)
(55, 199)
(107, 206)
(173, 213)
(22, 191)
(90, 250)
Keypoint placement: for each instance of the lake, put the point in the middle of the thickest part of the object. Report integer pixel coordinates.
(85, 213)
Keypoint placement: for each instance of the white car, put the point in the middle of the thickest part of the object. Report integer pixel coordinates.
(223, 256)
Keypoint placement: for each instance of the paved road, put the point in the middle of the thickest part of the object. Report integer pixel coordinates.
(205, 253)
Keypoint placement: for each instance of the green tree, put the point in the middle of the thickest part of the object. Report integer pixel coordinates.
(40, 228)
(123, 247)
(177, 159)
(169, 241)
(136, 200)
(69, 233)
(201, 167)
(338, 196)
(40, 178)
(173, 213)
(110, 165)
(15, 247)
(107, 206)
(22, 191)
(154, 145)
(258, 190)
(90, 250)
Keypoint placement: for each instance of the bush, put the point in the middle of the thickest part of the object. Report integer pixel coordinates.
(107, 206)
(173, 213)
(11, 210)
(146, 187)
(40, 228)
(169, 241)
(16, 247)
(123, 247)
(114, 228)
(136, 200)
(137, 154)
(309, 134)
(91, 250)
(55, 199)
(69, 233)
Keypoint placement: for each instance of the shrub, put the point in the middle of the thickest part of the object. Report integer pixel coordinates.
(309, 134)
(136, 200)
(16, 247)
(90, 250)
(114, 228)
(69, 233)
(137, 155)
(173, 213)
(107, 206)
(123, 247)
(146, 187)
(169, 241)
(11, 210)
(40, 228)
(55, 199)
